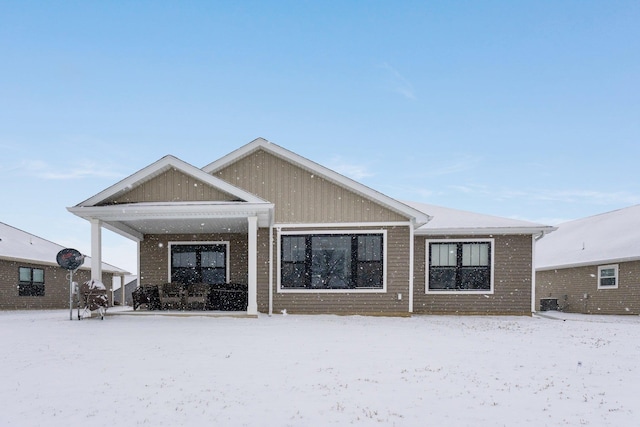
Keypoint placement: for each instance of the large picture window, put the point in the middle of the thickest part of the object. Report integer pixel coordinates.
(31, 282)
(332, 261)
(202, 263)
(459, 266)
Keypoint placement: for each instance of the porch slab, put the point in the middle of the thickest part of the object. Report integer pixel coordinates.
(129, 311)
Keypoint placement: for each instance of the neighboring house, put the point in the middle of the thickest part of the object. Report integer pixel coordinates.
(128, 290)
(305, 239)
(592, 265)
(30, 277)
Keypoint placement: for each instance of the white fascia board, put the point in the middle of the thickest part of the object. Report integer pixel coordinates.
(173, 210)
(588, 263)
(107, 268)
(161, 165)
(484, 231)
(417, 216)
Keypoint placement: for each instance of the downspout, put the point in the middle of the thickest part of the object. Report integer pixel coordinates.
(411, 262)
(270, 269)
(534, 239)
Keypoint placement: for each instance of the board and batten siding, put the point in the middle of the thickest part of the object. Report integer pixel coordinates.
(358, 302)
(576, 289)
(171, 186)
(299, 195)
(512, 280)
(56, 286)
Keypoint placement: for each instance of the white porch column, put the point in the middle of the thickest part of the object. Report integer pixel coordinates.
(252, 257)
(96, 249)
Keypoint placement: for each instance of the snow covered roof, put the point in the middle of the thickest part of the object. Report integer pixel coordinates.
(18, 245)
(453, 221)
(600, 239)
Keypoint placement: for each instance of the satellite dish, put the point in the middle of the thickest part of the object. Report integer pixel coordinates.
(70, 259)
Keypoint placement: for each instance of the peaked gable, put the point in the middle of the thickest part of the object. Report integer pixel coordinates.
(309, 174)
(150, 184)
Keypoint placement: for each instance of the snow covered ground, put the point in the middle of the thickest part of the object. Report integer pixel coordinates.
(319, 370)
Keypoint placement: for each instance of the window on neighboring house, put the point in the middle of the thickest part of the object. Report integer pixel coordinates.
(332, 261)
(31, 282)
(459, 266)
(204, 263)
(608, 276)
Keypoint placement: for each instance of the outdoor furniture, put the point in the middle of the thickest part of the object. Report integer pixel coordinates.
(228, 297)
(146, 294)
(171, 296)
(196, 295)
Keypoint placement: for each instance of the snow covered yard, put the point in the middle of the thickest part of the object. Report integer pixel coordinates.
(318, 370)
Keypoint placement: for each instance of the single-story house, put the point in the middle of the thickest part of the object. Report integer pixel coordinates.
(30, 277)
(306, 239)
(592, 265)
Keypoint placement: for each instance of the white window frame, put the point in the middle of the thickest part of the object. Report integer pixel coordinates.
(197, 242)
(615, 268)
(489, 291)
(331, 291)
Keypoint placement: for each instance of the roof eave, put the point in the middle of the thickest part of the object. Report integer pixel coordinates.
(466, 231)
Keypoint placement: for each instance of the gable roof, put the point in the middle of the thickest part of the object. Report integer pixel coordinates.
(457, 222)
(319, 170)
(157, 168)
(600, 239)
(18, 245)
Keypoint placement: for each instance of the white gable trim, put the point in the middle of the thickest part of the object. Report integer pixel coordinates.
(160, 166)
(419, 217)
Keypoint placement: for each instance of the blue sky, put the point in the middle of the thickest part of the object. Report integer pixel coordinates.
(522, 109)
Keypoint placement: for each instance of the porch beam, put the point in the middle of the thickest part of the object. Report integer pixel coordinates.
(252, 257)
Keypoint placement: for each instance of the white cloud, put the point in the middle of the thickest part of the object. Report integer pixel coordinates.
(353, 171)
(399, 83)
(41, 169)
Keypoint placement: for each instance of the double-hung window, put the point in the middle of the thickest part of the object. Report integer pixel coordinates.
(608, 276)
(459, 266)
(31, 282)
(332, 261)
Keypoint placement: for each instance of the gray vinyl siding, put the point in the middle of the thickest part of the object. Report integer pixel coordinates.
(154, 255)
(299, 195)
(56, 286)
(576, 289)
(512, 281)
(365, 303)
(172, 186)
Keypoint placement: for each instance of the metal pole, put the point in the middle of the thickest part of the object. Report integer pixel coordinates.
(71, 295)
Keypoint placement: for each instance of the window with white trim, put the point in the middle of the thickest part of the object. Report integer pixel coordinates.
(31, 282)
(459, 266)
(332, 261)
(199, 263)
(608, 276)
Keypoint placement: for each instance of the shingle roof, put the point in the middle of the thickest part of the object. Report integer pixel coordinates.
(16, 244)
(600, 239)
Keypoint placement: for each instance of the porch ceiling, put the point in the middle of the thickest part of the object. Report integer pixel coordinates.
(135, 220)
